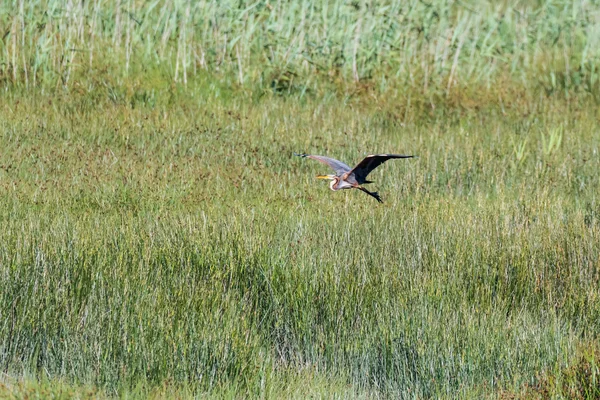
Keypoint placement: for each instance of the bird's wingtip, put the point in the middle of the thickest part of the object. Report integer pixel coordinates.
(300, 155)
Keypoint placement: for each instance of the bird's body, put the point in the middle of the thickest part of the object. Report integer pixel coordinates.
(346, 177)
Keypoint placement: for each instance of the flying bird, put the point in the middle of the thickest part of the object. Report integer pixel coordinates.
(352, 178)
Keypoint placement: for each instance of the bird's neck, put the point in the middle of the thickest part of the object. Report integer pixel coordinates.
(333, 183)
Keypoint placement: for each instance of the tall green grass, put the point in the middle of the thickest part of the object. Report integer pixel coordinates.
(184, 244)
(158, 238)
(420, 51)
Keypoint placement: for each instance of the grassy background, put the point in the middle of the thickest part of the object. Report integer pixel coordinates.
(158, 237)
(472, 52)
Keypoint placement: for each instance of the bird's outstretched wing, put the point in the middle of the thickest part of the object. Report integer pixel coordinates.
(339, 167)
(369, 163)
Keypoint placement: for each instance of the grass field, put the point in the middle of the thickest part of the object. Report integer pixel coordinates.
(158, 238)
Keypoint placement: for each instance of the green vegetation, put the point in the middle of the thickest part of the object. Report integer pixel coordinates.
(424, 52)
(578, 381)
(158, 239)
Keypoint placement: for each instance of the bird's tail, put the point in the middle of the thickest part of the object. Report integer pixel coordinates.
(300, 155)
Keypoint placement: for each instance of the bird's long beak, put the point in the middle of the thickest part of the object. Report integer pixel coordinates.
(323, 177)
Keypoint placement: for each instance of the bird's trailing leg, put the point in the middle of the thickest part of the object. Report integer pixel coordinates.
(373, 194)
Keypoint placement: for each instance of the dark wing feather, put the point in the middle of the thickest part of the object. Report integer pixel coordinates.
(339, 167)
(369, 163)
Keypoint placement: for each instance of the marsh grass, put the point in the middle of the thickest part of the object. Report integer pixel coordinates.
(158, 238)
(471, 53)
(184, 244)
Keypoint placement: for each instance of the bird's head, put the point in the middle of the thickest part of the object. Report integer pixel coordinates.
(333, 178)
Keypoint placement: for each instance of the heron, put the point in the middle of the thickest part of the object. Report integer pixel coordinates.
(352, 178)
